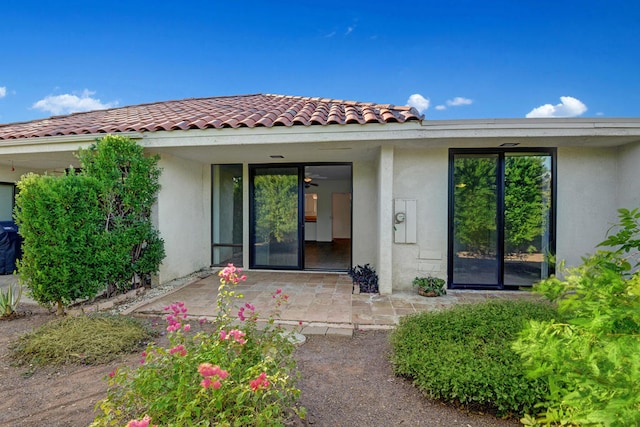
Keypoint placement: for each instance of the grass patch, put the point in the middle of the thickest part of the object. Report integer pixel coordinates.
(83, 339)
(463, 355)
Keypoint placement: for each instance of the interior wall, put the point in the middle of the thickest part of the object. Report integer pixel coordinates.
(183, 216)
(324, 217)
(422, 175)
(586, 200)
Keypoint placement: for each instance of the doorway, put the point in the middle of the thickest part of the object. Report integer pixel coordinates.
(298, 216)
(501, 218)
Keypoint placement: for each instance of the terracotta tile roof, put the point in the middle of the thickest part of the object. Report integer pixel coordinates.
(219, 112)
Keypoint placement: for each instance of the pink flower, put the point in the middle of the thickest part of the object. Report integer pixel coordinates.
(209, 371)
(179, 349)
(112, 373)
(259, 383)
(202, 320)
(140, 423)
(230, 274)
(186, 328)
(278, 291)
(238, 336)
(223, 335)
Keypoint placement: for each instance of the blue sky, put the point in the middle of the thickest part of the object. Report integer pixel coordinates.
(451, 59)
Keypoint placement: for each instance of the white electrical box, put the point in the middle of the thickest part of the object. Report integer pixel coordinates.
(405, 221)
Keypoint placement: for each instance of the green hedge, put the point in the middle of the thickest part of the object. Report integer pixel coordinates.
(464, 355)
(90, 231)
(60, 222)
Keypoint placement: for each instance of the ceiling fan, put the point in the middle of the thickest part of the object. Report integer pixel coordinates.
(308, 183)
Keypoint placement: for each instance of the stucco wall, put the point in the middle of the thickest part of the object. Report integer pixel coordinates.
(183, 215)
(629, 176)
(6, 175)
(365, 208)
(422, 174)
(586, 199)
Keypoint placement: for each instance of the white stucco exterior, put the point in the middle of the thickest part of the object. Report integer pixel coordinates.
(422, 174)
(629, 176)
(586, 199)
(184, 216)
(597, 173)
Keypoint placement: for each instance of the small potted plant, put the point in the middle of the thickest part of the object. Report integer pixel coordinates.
(430, 286)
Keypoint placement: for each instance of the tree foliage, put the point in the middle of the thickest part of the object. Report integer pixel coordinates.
(63, 253)
(591, 359)
(526, 202)
(276, 201)
(84, 232)
(129, 183)
(475, 203)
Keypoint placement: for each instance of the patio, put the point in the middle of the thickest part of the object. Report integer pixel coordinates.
(323, 302)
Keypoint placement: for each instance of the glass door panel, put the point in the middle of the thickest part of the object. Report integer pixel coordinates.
(527, 218)
(275, 217)
(6, 202)
(227, 214)
(476, 251)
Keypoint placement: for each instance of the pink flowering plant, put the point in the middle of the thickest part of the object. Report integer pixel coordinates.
(231, 372)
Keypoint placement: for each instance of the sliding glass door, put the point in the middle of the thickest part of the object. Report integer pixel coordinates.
(475, 222)
(276, 217)
(501, 218)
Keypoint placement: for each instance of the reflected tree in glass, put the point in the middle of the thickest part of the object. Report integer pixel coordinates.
(276, 204)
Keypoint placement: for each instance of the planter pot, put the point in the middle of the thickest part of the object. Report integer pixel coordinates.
(427, 293)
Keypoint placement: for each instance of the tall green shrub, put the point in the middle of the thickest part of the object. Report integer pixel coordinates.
(60, 222)
(129, 183)
(591, 360)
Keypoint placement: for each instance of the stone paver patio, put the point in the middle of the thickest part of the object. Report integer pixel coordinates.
(323, 302)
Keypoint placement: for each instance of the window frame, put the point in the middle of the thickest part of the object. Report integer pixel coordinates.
(501, 152)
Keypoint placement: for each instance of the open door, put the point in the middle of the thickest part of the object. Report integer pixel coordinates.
(300, 216)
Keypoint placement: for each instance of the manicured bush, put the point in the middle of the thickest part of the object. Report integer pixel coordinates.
(237, 375)
(591, 360)
(60, 220)
(463, 355)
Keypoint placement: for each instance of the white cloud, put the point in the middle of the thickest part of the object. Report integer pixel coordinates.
(569, 107)
(3, 91)
(441, 107)
(349, 31)
(67, 103)
(458, 100)
(418, 102)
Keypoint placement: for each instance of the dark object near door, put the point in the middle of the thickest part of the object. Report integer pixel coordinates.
(10, 247)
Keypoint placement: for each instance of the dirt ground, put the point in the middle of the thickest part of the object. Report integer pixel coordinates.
(345, 382)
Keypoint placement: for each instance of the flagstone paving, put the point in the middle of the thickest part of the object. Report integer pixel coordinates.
(321, 303)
